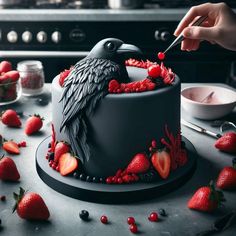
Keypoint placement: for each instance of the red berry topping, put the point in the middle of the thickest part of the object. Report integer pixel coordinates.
(133, 228)
(154, 144)
(153, 217)
(154, 71)
(104, 219)
(130, 220)
(161, 55)
(109, 180)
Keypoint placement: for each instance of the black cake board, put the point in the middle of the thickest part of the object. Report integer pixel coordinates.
(111, 193)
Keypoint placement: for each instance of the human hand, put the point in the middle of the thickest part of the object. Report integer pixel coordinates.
(219, 28)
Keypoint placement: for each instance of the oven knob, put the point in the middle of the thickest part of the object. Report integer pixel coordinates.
(165, 36)
(12, 37)
(27, 37)
(56, 36)
(41, 37)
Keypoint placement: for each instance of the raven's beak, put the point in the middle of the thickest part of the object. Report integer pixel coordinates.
(129, 50)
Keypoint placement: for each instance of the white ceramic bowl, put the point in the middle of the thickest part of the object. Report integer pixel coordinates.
(218, 105)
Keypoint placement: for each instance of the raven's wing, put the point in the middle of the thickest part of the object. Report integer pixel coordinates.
(83, 88)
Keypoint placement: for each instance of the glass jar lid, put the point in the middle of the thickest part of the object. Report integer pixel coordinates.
(29, 65)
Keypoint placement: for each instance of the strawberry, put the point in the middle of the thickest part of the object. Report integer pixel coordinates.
(5, 66)
(11, 147)
(161, 162)
(63, 76)
(8, 169)
(227, 142)
(30, 206)
(33, 124)
(67, 163)
(206, 199)
(61, 148)
(14, 75)
(10, 118)
(139, 164)
(227, 177)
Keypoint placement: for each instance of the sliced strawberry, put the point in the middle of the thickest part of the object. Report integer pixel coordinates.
(67, 164)
(5, 66)
(61, 148)
(11, 147)
(139, 164)
(161, 162)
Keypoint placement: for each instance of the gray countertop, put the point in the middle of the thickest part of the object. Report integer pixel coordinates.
(91, 15)
(64, 211)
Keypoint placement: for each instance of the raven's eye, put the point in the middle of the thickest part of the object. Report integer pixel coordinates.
(110, 46)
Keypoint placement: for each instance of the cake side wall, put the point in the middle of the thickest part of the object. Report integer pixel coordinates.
(123, 125)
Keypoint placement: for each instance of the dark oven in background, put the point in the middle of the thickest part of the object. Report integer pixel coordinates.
(209, 64)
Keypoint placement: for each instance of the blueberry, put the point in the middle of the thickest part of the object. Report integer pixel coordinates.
(95, 179)
(234, 161)
(51, 156)
(89, 179)
(76, 175)
(84, 215)
(82, 176)
(162, 212)
(183, 145)
(102, 180)
(49, 145)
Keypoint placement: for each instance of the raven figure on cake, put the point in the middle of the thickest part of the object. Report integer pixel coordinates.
(87, 83)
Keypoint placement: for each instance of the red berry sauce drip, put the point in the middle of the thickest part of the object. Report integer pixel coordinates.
(161, 56)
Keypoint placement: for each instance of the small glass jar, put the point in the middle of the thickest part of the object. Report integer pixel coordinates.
(10, 92)
(31, 76)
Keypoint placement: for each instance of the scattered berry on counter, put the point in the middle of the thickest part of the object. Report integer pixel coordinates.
(133, 228)
(161, 56)
(227, 177)
(153, 217)
(10, 118)
(33, 124)
(206, 199)
(130, 220)
(84, 215)
(11, 147)
(227, 142)
(104, 219)
(30, 206)
(22, 144)
(3, 198)
(162, 212)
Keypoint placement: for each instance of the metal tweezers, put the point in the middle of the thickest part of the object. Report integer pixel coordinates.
(180, 38)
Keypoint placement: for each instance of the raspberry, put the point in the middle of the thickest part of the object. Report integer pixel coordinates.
(154, 71)
(161, 56)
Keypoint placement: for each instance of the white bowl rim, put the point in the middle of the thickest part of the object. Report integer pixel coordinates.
(206, 86)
